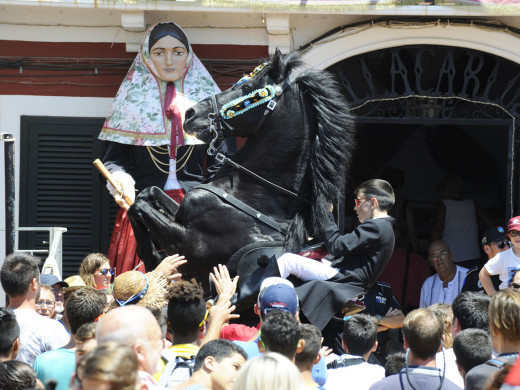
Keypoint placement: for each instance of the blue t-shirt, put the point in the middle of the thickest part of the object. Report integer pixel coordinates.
(58, 364)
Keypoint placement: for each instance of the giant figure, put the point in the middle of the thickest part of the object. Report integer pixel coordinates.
(146, 142)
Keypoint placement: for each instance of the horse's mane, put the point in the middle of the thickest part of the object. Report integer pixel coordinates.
(331, 152)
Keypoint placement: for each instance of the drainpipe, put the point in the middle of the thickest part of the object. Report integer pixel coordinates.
(9, 192)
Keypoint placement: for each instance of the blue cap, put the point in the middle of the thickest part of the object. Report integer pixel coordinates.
(51, 280)
(278, 297)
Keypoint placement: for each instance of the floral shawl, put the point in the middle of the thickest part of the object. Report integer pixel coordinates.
(137, 115)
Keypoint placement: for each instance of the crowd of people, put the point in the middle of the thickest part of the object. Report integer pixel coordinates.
(157, 331)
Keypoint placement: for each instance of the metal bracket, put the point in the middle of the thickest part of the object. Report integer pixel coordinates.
(6, 137)
(220, 158)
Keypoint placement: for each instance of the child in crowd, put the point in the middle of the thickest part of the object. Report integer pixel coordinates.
(309, 355)
(109, 366)
(216, 366)
(85, 339)
(504, 263)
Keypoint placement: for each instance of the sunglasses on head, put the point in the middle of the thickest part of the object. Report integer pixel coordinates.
(106, 271)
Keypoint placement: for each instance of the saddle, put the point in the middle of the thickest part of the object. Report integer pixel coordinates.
(253, 263)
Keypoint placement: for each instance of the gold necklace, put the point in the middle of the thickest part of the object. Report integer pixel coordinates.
(158, 162)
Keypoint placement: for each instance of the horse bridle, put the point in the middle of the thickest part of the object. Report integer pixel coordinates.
(216, 116)
(216, 120)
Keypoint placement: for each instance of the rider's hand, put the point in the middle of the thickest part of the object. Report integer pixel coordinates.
(393, 312)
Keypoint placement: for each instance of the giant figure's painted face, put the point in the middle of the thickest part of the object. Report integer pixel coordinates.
(169, 56)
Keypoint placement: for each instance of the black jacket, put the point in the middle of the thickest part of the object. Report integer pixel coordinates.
(360, 256)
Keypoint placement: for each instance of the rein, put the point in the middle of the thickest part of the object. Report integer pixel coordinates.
(244, 207)
(226, 160)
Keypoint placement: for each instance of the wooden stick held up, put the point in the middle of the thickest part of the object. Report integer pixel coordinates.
(104, 171)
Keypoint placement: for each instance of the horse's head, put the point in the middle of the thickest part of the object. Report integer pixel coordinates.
(240, 110)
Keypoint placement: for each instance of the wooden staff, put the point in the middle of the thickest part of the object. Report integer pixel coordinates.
(104, 171)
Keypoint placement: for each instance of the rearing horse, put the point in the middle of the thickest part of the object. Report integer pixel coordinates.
(299, 138)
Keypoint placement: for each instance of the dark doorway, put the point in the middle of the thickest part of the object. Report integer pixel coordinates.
(425, 153)
(59, 186)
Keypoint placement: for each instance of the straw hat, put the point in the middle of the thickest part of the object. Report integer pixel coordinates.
(74, 282)
(136, 288)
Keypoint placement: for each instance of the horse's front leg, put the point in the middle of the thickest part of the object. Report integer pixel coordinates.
(153, 221)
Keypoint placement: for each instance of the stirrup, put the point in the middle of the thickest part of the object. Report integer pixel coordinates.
(352, 307)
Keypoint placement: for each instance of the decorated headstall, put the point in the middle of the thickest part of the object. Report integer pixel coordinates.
(266, 95)
(251, 100)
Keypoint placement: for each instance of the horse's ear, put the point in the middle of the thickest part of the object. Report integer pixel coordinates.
(277, 71)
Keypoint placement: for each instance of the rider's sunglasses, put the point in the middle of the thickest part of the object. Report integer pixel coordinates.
(359, 202)
(515, 285)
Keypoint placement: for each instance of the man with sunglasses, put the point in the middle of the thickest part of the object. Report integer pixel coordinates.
(503, 263)
(358, 260)
(494, 240)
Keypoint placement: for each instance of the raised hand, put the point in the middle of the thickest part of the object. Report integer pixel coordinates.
(225, 286)
(168, 267)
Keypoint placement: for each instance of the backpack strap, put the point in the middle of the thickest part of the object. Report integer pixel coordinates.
(195, 387)
(170, 373)
(167, 356)
(345, 362)
(499, 363)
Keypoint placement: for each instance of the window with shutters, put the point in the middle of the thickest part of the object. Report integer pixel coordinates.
(59, 186)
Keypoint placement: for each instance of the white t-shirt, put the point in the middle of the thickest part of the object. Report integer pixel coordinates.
(433, 290)
(503, 265)
(452, 372)
(461, 230)
(38, 334)
(360, 376)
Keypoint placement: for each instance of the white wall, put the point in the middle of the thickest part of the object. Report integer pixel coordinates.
(11, 109)
(51, 24)
(370, 38)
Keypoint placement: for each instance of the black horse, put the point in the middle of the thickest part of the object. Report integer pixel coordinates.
(278, 186)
